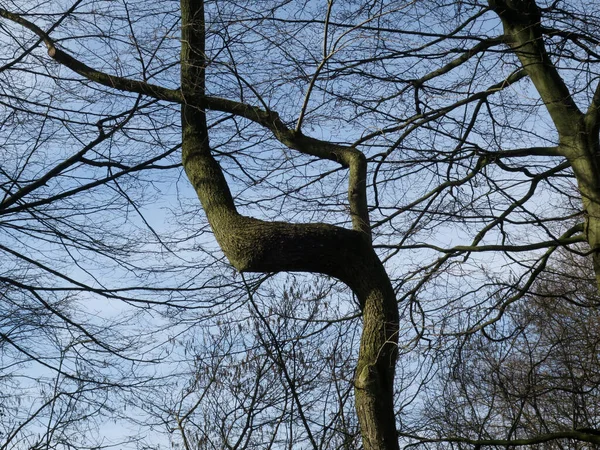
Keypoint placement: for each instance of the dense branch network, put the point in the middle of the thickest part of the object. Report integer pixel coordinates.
(453, 163)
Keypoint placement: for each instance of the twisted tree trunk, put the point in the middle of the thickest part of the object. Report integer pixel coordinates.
(254, 245)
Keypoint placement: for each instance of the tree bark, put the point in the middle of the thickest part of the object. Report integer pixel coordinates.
(584, 155)
(577, 132)
(254, 245)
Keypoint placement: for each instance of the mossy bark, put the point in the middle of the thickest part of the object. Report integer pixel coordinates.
(583, 153)
(577, 131)
(254, 245)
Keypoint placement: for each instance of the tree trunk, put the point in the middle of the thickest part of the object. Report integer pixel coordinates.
(584, 155)
(254, 245)
(578, 132)
(374, 378)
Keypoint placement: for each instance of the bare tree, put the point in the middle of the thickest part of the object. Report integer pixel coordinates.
(414, 151)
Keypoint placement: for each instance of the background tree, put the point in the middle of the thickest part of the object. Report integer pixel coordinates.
(418, 152)
(535, 373)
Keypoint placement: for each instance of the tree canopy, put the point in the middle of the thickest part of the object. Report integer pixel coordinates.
(269, 224)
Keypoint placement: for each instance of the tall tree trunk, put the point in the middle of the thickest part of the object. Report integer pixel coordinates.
(254, 245)
(374, 390)
(584, 155)
(577, 131)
